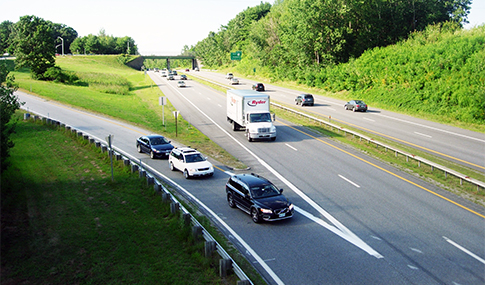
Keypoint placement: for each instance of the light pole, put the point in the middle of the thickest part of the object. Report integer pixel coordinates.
(62, 40)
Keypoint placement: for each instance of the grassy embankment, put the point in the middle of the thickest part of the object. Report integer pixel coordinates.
(108, 87)
(65, 222)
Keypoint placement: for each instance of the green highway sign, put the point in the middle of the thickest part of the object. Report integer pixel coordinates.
(236, 55)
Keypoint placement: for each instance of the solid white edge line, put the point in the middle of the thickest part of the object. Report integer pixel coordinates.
(465, 250)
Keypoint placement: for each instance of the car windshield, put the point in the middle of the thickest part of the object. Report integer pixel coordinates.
(197, 157)
(263, 191)
(158, 141)
(256, 118)
(359, 102)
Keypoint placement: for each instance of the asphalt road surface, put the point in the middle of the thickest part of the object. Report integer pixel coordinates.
(357, 220)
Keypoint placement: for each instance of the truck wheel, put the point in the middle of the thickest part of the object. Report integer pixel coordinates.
(249, 137)
(235, 127)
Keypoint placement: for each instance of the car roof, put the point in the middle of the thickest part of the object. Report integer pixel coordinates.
(187, 150)
(252, 179)
(154, 136)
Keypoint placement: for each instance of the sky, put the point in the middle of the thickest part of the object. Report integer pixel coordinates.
(159, 27)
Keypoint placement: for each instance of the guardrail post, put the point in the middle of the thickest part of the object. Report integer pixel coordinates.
(142, 173)
(134, 168)
(187, 219)
(104, 148)
(150, 180)
(224, 266)
(119, 156)
(165, 197)
(157, 187)
(243, 282)
(26, 116)
(210, 247)
(196, 232)
(126, 162)
(174, 207)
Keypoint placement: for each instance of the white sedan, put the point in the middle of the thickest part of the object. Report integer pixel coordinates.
(181, 83)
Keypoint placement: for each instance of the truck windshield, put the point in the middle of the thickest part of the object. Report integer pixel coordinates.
(256, 118)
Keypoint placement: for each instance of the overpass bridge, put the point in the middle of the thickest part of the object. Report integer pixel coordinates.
(138, 62)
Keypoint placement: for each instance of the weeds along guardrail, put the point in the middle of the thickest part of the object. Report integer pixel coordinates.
(153, 177)
(397, 151)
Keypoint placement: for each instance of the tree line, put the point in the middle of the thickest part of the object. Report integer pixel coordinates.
(35, 42)
(315, 33)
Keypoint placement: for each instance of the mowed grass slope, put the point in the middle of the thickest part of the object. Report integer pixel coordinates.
(65, 222)
(109, 87)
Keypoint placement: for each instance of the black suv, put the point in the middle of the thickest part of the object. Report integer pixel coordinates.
(258, 87)
(258, 197)
(155, 145)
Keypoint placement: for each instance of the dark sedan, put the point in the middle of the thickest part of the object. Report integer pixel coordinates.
(258, 197)
(155, 145)
(258, 87)
(183, 77)
(305, 99)
(356, 105)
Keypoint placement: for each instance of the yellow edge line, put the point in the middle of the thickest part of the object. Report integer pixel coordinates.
(387, 171)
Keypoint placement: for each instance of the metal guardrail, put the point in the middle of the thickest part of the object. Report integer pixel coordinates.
(153, 177)
(397, 151)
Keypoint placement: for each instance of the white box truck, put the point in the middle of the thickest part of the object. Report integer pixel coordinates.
(250, 110)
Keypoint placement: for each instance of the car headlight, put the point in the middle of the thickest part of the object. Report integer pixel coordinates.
(266, 211)
(290, 207)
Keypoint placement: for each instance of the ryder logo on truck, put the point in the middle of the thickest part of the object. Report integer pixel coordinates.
(255, 103)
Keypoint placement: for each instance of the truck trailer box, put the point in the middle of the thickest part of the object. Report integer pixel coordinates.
(250, 110)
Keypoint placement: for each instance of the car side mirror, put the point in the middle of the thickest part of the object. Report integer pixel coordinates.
(274, 117)
(281, 190)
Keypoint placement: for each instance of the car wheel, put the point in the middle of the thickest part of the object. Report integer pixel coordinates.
(230, 201)
(345, 107)
(255, 215)
(138, 147)
(273, 138)
(172, 167)
(186, 174)
(152, 155)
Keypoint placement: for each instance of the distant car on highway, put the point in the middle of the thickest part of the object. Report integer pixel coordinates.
(305, 99)
(155, 145)
(356, 105)
(183, 77)
(170, 77)
(258, 197)
(258, 87)
(234, 81)
(190, 162)
(229, 75)
(187, 70)
(181, 84)
(174, 72)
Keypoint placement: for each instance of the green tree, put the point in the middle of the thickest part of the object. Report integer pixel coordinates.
(8, 104)
(33, 45)
(5, 31)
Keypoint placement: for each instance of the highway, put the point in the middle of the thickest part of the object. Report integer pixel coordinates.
(357, 220)
(451, 143)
